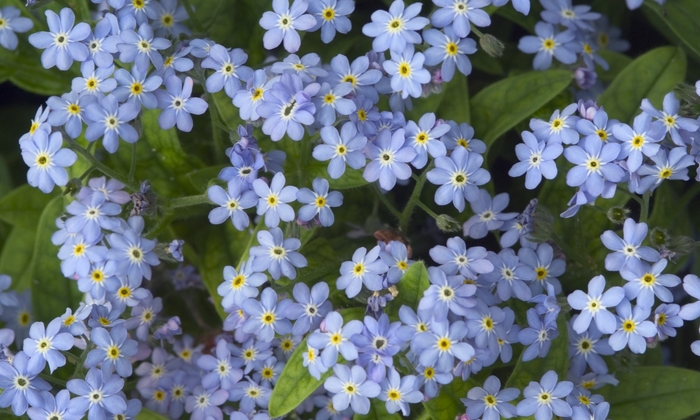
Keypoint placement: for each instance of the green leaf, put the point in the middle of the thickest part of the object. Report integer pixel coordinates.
(227, 112)
(557, 360)
(295, 383)
(146, 414)
(23, 206)
(166, 145)
(352, 178)
(680, 18)
(455, 104)
(52, 293)
(654, 393)
(617, 63)
(447, 404)
(652, 76)
(500, 106)
(212, 246)
(16, 256)
(377, 411)
(411, 287)
(5, 177)
(23, 68)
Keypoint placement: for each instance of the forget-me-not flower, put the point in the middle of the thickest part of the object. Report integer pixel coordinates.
(642, 139)
(593, 306)
(546, 397)
(406, 71)
(97, 394)
(46, 160)
(331, 17)
(332, 100)
(459, 15)
(240, 285)
(457, 258)
(645, 281)
(20, 384)
(267, 316)
(398, 392)
(284, 22)
(319, 202)
(229, 67)
(108, 119)
(277, 255)
(61, 44)
(633, 328)
(11, 22)
(669, 116)
(394, 29)
(390, 155)
(232, 203)
(587, 348)
(311, 307)
(365, 267)
(336, 339)
(177, 105)
(450, 50)
(595, 165)
(425, 138)
(45, 343)
(628, 252)
(286, 106)
(667, 165)
(547, 44)
(536, 160)
(341, 148)
(137, 87)
(133, 253)
(487, 214)
(274, 198)
(439, 346)
(459, 176)
(446, 295)
(351, 388)
(113, 350)
(142, 47)
(491, 402)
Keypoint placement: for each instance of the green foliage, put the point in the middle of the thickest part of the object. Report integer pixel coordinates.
(447, 404)
(377, 411)
(679, 21)
(500, 106)
(23, 206)
(352, 178)
(652, 76)
(654, 393)
(295, 383)
(23, 68)
(146, 414)
(16, 256)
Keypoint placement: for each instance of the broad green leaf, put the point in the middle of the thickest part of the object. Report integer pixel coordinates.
(227, 111)
(377, 411)
(451, 103)
(322, 260)
(557, 360)
(654, 393)
(500, 106)
(166, 145)
(447, 404)
(146, 414)
(652, 76)
(670, 212)
(212, 248)
(411, 287)
(5, 178)
(295, 383)
(23, 206)
(352, 178)
(52, 293)
(527, 22)
(17, 254)
(617, 63)
(23, 68)
(677, 20)
(200, 179)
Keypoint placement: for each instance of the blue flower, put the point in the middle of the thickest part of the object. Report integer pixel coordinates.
(219, 370)
(77, 254)
(673, 122)
(396, 28)
(366, 116)
(450, 50)
(113, 350)
(522, 6)
(12, 23)
(538, 336)
(330, 17)
(546, 267)
(177, 105)
(341, 148)
(143, 315)
(446, 295)
(598, 127)
(240, 285)
(586, 349)
(358, 74)
(485, 325)
(229, 67)
(89, 219)
(595, 164)
(628, 252)
(314, 363)
(395, 256)
(462, 135)
(398, 392)
(546, 397)
(311, 307)
(94, 80)
(136, 87)
(318, 202)
(46, 160)
(667, 166)
(97, 394)
(424, 137)
(406, 70)
(351, 388)
(231, 203)
(45, 343)
(308, 67)
(593, 306)
(428, 379)
(69, 111)
(129, 293)
(633, 327)
(644, 281)
(442, 344)
(365, 267)
(286, 106)
(102, 43)
(248, 98)
(559, 129)
(563, 13)
(389, 154)
(536, 160)
(378, 344)
(691, 285)
(458, 176)
(140, 48)
(61, 44)
(204, 403)
(547, 44)
(277, 255)
(487, 214)
(283, 24)
(274, 198)
(330, 101)
(20, 384)
(267, 316)
(459, 15)
(666, 319)
(60, 407)
(336, 339)
(491, 402)
(167, 15)
(510, 274)
(109, 120)
(642, 139)
(132, 253)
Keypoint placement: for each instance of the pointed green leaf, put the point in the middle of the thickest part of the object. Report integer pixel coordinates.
(677, 20)
(377, 411)
(166, 145)
(146, 414)
(16, 256)
(654, 393)
(52, 293)
(212, 247)
(352, 178)
(500, 106)
(23, 206)
(448, 404)
(411, 287)
(295, 384)
(652, 76)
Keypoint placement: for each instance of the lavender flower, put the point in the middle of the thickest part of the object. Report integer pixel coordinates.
(46, 160)
(283, 23)
(277, 255)
(109, 120)
(389, 155)
(12, 22)
(458, 176)
(177, 105)
(593, 306)
(351, 388)
(287, 105)
(394, 29)
(341, 148)
(365, 267)
(61, 44)
(319, 202)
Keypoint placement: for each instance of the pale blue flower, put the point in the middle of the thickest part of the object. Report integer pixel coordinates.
(633, 328)
(442, 344)
(595, 304)
(13, 22)
(142, 47)
(277, 255)
(595, 164)
(68, 111)
(177, 105)
(331, 17)
(586, 349)
(406, 70)
(267, 316)
(365, 267)
(460, 14)
(628, 252)
(45, 343)
(20, 384)
(46, 160)
(538, 336)
(546, 397)
(274, 198)
(450, 50)
(336, 339)
(108, 119)
(642, 139)
(240, 285)
(547, 44)
(341, 148)
(446, 295)
(351, 388)
(61, 44)
(319, 202)
(97, 394)
(645, 281)
(487, 214)
(390, 155)
(113, 351)
(311, 307)
(398, 392)
(232, 203)
(229, 67)
(536, 160)
(283, 24)
(459, 176)
(286, 106)
(491, 402)
(394, 29)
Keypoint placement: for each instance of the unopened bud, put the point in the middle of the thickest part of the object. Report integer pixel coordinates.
(659, 237)
(542, 225)
(681, 245)
(618, 214)
(73, 186)
(491, 45)
(448, 223)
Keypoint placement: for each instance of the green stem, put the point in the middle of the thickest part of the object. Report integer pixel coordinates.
(79, 366)
(84, 11)
(86, 173)
(644, 214)
(632, 195)
(132, 167)
(476, 31)
(192, 15)
(161, 225)
(424, 415)
(568, 250)
(386, 202)
(427, 210)
(415, 198)
(251, 241)
(53, 380)
(73, 145)
(190, 200)
(216, 123)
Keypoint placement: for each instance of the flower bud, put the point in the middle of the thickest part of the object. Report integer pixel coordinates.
(618, 214)
(542, 225)
(73, 186)
(659, 237)
(448, 224)
(491, 45)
